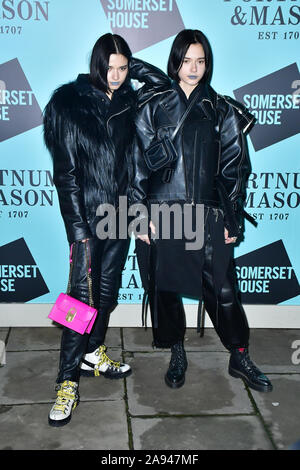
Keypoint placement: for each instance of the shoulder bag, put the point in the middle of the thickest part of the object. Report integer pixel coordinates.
(72, 313)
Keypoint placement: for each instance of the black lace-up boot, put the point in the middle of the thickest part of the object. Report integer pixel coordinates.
(175, 375)
(241, 366)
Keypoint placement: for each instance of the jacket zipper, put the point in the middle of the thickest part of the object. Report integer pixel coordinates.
(117, 114)
(152, 96)
(239, 179)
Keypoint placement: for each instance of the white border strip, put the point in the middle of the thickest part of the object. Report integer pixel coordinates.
(129, 315)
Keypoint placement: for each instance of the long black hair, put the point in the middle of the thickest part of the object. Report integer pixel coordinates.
(179, 49)
(105, 46)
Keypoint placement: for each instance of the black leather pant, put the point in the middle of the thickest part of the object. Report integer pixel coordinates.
(224, 309)
(107, 262)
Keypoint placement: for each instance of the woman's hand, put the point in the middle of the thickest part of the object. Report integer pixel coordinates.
(228, 239)
(85, 240)
(145, 238)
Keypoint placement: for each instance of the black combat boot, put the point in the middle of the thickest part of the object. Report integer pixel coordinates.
(175, 375)
(241, 366)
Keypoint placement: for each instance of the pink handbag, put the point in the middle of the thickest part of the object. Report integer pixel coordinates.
(71, 312)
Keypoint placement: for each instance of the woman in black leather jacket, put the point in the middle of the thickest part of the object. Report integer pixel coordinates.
(208, 170)
(88, 129)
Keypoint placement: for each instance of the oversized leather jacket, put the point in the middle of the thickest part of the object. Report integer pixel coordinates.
(211, 149)
(90, 141)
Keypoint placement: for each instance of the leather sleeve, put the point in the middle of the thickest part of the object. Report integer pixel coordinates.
(65, 175)
(141, 173)
(144, 72)
(235, 165)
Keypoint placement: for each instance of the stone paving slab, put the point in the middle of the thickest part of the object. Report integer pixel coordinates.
(200, 433)
(139, 339)
(211, 411)
(208, 388)
(3, 334)
(94, 426)
(30, 378)
(48, 338)
(2, 354)
(280, 409)
(31, 339)
(272, 349)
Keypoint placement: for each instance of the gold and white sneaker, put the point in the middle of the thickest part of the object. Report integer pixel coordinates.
(98, 363)
(66, 401)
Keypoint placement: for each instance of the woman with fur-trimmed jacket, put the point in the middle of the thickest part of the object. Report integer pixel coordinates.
(88, 129)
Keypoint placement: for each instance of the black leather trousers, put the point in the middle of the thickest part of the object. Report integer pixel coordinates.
(107, 258)
(224, 309)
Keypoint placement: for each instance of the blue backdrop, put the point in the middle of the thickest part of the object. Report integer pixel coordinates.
(44, 44)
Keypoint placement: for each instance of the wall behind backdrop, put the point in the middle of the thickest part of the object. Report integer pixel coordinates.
(44, 44)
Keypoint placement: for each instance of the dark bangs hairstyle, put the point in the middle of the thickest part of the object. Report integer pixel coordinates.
(179, 49)
(105, 46)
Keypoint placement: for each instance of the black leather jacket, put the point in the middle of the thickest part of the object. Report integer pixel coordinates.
(90, 141)
(211, 148)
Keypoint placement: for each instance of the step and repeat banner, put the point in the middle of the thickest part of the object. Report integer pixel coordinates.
(44, 44)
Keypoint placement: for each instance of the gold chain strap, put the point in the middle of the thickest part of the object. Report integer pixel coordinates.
(89, 279)
(70, 271)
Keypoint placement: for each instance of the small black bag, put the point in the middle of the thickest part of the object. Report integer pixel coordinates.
(163, 153)
(160, 154)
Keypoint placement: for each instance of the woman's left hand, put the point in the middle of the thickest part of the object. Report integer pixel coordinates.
(145, 238)
(228, 239)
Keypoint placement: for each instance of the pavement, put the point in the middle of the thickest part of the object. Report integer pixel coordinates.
(212, 411)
